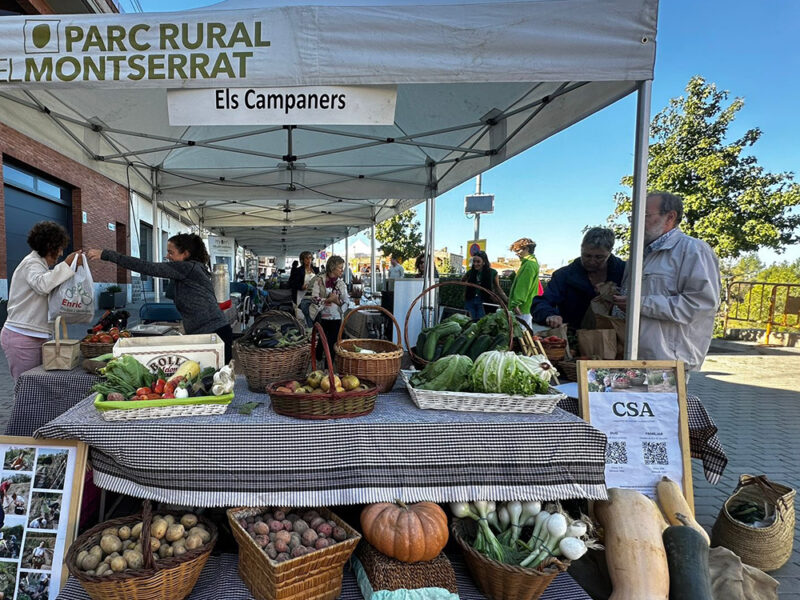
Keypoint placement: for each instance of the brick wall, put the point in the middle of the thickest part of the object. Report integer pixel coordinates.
(103, 200)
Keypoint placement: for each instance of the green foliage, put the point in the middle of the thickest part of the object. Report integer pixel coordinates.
(730, 201)
(400, 236)
(746, 268)
(748, 305)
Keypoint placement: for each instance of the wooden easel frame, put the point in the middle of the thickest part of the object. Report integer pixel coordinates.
(583, 367)
(76, 489)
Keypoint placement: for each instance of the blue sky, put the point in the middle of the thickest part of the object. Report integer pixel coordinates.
(746, 47)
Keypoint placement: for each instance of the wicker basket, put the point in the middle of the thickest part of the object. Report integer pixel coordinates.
(90, 350)
(381, 367)
(420, 362)
(767, 548)
(263, 366)
(554, 353)
(328, 405)
(134, 410)
(568, 369)
(499, 581)
(166, 579)
(315, 576)
(478, 402)
(386, 573)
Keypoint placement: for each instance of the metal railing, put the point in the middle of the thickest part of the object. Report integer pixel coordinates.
(765, 303)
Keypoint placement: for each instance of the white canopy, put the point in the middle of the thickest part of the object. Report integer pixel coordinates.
(476, 83)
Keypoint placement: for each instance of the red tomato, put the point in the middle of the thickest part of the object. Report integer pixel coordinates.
(153, 396)
(168, 396)
(143, 391)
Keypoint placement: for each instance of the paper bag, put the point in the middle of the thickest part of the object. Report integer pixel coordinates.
(619, 327)
(602, 304)
(73, 300)
(61, 353)
(597, 344)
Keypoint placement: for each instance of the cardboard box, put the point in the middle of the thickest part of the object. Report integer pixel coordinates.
(167, 352)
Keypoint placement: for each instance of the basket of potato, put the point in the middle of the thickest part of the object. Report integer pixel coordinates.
(323, 394)
(110, 564)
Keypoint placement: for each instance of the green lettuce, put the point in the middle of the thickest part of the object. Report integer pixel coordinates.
(450, 373)
(498, 372)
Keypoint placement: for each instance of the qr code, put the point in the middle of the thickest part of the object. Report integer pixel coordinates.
(655, 453)
(616, 453)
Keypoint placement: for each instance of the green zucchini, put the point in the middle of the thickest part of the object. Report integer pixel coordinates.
(455, 347)
(687, 557)
(421, 342)
(499, 342)
(448, 344)
(479, 346)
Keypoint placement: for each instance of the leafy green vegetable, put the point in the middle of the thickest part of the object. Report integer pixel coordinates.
(505, 373)
(450, 373)
(462, 320)
(247, 407)
(124, 375)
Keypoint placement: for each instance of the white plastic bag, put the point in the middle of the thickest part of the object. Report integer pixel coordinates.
(73, 300)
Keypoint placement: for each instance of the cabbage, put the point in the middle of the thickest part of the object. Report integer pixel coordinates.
(450, 373)
(498, 372)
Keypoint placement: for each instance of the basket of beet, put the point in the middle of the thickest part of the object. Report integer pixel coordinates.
(292, 553)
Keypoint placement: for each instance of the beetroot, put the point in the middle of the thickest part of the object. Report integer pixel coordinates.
(309, 537)
(261, 528)
(324, 529)
(282, 557)
(281, 546)
(339, 534)
(322, 543)
(275, 526)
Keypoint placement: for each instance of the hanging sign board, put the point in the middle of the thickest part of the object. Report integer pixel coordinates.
(316, 105)
(641, 407)
(220, 246)
(475, 246)
(41, 489)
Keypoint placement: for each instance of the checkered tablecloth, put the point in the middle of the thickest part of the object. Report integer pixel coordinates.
(220, 581)
(40, 396)
(703, 441)
(397, 451)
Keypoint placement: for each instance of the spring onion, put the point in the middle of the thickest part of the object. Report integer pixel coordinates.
(556, 528)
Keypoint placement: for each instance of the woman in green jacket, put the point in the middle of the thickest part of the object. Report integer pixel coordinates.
(526, 283)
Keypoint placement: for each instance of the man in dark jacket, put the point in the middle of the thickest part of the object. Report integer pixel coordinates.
(571, 289)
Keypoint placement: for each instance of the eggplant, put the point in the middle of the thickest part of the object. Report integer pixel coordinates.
(267, 343)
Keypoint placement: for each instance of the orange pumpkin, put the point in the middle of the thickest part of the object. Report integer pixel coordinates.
(410, 533)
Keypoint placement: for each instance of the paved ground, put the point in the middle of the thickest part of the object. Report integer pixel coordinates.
(752, 393)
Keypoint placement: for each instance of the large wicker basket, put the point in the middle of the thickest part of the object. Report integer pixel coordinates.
(166, 579)
(90, 350)
(263, 366)
(386, 573)
(499, 581)
(767, 548)
(314, 576)
(420, 362)
(381, 367)
(328, 405)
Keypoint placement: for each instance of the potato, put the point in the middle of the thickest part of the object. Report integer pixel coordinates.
(90, 562)
(90, 572)
(174, 532)
(131, 545)
(178, 550)
(136, 531)
(97, 551)
(170, 519)
(102, 569)
(158, 529)
(165, 551)
(81, 555)
(110, 543)
(261, 528)
(134, 559)
(110, 531)
(124, 533)
(189, 520)
(118, 564)
(181, 542)
(193, 541)
(202, 532)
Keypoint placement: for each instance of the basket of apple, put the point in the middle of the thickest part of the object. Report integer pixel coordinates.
(99, 343)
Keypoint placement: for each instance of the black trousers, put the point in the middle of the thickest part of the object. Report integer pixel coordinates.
(226, 335)
(331, 329)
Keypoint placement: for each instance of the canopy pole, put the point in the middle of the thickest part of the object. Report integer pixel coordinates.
(372, 278)
(639, 199)
(430, 225)
(347, 255)
(156, 234)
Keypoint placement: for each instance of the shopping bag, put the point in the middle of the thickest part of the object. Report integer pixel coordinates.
(602, 304)
(61, 353)
(619, 327)
(597, 344)
(73, 300)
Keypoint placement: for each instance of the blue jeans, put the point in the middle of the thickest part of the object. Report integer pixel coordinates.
(475, 307)
(305, 303)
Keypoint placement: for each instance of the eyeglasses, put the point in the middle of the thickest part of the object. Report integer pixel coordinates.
(598, 257)
(647, 214)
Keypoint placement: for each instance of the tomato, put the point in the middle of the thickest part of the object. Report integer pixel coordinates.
(94, 339)
(143, 391)
(104, 338)
(168, 396)
(159, 386)
(153, 396)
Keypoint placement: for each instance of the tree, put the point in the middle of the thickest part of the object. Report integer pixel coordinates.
(400, 235)
(729, 200)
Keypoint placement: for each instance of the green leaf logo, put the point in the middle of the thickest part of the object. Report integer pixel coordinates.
(41, 35)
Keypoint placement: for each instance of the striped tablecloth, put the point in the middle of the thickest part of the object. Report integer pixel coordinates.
(40, 396)
(398, 451)
(220, 581)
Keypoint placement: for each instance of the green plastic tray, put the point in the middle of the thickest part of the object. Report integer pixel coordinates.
(102, 404)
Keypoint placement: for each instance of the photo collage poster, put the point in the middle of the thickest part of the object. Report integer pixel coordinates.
(639, 411)
(35, 489)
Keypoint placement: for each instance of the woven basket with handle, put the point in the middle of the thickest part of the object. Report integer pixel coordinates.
(420, 362)
(499, 581)
(767, 548)
(381, 367)
(262, 366)
(165, 579)
(90, 350)
(325, 405)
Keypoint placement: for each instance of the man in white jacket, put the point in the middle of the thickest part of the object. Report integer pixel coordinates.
(680, 287)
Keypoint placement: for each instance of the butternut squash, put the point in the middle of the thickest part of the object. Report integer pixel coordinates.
(675, 507)
(637, 562)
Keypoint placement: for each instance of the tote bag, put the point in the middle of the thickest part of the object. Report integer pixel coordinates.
(73, 300)
(61, 353)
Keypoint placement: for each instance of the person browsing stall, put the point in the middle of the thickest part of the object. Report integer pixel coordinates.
(526, 283)
(329, 300)
(37, 275)
(188, 267)
(396, 271)
(571, 289)
(300, 283)
(680, 287)
(481, 273)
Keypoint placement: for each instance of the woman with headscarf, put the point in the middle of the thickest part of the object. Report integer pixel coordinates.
(329, 300)
(526, 283)
(300, 283)
(481, 273)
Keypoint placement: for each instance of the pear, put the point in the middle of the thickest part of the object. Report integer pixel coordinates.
(325, 384)
(350, 382)
(314, 378)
